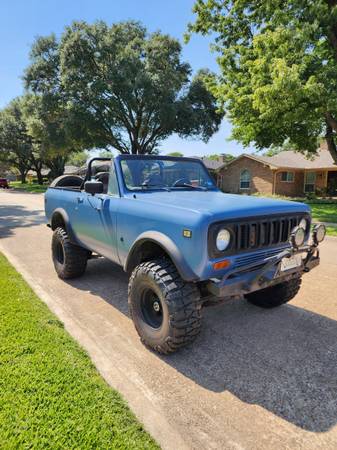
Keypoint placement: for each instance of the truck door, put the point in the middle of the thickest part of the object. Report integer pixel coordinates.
(96, 216)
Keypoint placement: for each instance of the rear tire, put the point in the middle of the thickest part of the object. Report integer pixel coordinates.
(70, 261)
(275, 295)
(165, 309)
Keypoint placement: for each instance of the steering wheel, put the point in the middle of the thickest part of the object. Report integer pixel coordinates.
(181, 181)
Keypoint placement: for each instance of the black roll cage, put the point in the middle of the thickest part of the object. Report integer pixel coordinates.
(89, 169)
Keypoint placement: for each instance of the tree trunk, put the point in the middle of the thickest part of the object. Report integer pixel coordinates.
(23, 174)
(39, 175)
(37, 165)
(331, 142)
(135, 147)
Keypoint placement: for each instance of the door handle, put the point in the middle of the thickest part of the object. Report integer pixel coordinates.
(80, 199)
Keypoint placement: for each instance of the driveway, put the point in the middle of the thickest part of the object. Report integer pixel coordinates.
(253, 379)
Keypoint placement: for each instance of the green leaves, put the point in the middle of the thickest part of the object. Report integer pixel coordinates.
(35, 132)
(197, 115)
(278, 68)
(15, 143)
(122, 87)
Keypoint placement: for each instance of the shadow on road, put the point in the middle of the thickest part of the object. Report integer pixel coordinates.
(16, 216)
(107, 280)
(283, 360)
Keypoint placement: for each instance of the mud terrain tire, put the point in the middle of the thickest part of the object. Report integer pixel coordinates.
(275, 295)
(165, 309)
(70, 261)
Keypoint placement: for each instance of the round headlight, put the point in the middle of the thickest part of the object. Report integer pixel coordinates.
(303, 224)
(319, 233)
(297, 236)
(223, 239)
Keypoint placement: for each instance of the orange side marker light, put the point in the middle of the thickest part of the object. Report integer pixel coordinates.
(221, 264)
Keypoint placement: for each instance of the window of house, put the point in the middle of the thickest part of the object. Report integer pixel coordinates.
(245, 179)
(287, 177)
(309, 181)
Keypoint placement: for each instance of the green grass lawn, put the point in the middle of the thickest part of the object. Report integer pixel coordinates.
(324, 212)
(28, 187)
(51, 395)
(331, 231)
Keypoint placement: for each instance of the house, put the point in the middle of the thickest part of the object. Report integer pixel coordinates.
(68, 170)
(287, 173)
(71, 170)
(213, 166)
(31, 174)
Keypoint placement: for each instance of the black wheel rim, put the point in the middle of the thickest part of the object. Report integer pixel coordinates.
(151, 308)
(59, 253)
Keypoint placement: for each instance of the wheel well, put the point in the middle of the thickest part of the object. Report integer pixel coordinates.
(57, 221)
(146, 251)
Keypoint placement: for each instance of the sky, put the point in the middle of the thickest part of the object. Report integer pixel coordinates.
(23, 20)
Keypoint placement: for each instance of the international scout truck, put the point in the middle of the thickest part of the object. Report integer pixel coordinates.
(184, 243)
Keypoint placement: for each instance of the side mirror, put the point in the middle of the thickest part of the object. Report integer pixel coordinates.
(93, 187)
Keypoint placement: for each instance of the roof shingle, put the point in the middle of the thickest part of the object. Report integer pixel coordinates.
(295, 160)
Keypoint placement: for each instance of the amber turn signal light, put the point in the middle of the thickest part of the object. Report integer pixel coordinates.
(221, 264)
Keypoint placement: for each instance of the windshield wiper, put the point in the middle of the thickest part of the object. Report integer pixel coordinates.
(157, 186)
(201, 188)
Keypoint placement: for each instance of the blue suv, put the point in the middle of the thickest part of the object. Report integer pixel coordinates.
(185, 243)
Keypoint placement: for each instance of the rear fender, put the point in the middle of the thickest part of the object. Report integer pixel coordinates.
(60, 218)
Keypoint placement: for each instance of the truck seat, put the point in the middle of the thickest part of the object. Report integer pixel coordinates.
(104, 178)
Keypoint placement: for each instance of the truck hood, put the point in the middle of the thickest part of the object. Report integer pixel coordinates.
(219, 205)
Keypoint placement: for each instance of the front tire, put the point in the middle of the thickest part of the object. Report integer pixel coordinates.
(70, 261)
(165, 309)
(277, 295)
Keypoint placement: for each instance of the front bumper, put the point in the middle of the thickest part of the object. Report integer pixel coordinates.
(263, 273)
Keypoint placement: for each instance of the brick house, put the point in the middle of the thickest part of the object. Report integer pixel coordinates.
(287, 173)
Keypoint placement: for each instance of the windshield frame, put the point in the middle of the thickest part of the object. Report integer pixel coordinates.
(120, 158)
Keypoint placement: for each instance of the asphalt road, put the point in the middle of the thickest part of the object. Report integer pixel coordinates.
(253, 379)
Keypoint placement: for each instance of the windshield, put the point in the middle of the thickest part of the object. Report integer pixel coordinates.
(165, 174)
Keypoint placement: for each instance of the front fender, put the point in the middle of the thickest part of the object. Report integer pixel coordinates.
(168, 246)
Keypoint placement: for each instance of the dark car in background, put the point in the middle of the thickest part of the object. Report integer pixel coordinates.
(4, 183)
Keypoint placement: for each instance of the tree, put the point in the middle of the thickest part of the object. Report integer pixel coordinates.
(278, 78)
(33, 135)
(225, 157)
(276, 149)
(49, 125)
(122, 87)
(79, 159)
(4, 167)
(105, 154)
(15, 143)
(175, 154)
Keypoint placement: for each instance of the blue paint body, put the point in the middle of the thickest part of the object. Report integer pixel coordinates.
(111, 225)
